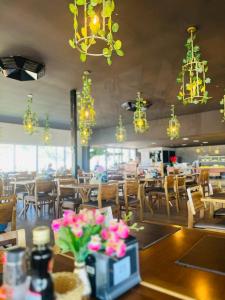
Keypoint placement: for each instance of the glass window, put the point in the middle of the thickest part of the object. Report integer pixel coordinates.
(25, 158)
(6, 158)
(60, 158)
(97, 158)
(68, 158)
(47, 155)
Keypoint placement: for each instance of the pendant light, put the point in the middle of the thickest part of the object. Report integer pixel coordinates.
(120, 131)
(30, 119)
(192, 77)
(140, 118)
(173, 130)
(94, 29)
(222, 110)
(46, 134)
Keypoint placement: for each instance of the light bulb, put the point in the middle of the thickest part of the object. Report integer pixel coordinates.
(95, 20)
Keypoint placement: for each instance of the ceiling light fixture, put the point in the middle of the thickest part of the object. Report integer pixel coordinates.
(30, 119)
(120, 131)
(86, 110)
(46, 134)
(222, 110)
(140, 118)
(195, 141)
(92, 22)
(185, 139)
(173, 130)
(192, 77)
(205, 142)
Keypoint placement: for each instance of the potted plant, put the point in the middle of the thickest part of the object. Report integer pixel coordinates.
(87, 232)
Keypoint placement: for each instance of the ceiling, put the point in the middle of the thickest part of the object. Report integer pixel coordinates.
(153, 35)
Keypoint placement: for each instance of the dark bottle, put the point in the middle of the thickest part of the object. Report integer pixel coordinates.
(41, 285)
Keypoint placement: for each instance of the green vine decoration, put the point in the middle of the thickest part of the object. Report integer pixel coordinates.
(97, 25)
(192, 77)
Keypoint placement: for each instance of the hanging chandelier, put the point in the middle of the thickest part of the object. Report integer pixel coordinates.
(140, 118)
(222, 110)
(173, 130)
(85, 134)
(86, 111)
(192, 77)
(120, 131)
(94, 29)
(30, 119)
(46, 134)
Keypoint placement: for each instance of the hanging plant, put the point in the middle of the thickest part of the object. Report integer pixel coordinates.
(173, 130)
(222, 110)
(120, 131)
(46, 134)
(95, 24)
(192, 77)
(30, 119)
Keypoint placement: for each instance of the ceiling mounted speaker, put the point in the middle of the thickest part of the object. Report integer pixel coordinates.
(131, 105)
(21, 68)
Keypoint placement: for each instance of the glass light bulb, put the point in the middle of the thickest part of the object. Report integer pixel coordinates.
(95, 20)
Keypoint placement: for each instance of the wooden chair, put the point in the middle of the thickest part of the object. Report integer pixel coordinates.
(68, 198)
(197, 211)
(14, 238)
(43, 195)
(180, 186)
(167, 192)
(107, 196)
(203, 180)
(132, 197)
(8, 211)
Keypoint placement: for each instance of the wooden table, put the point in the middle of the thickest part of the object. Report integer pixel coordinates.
(163, 278)
(213, 200)
(159, 270)
(140, 292)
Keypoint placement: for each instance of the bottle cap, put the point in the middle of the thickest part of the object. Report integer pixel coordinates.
(41, 235)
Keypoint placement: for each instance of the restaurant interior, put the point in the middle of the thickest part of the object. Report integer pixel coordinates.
(112, 149)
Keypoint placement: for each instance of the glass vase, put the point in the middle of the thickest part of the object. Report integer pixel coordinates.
(81, 272)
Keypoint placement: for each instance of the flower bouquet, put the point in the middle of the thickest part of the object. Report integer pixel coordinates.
(87, 232)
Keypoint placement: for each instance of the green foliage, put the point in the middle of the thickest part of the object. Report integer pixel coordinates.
(94, 29)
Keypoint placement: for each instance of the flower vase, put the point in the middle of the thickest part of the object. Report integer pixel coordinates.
(81, 272)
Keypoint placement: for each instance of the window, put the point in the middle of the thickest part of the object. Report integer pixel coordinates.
(6, 158)
(47, 155)
(68, 158)
(25, 158)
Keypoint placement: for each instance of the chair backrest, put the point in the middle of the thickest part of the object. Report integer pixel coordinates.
(131, 188)
(44, 186)
(107, 192)
(65, 191)
(195, 194)
(17, 238)
(169, 182)
(181, 182)
(8, 210)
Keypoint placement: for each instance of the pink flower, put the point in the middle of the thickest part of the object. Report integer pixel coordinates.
(77, 230)
(95, 243)
(113, 225)
(57, 224)
(123, 230)
(69, 217)
(109, 250)
(100, 219)
(121, 249)
(105, 234)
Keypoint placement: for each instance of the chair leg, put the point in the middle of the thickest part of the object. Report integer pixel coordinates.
(167, 205)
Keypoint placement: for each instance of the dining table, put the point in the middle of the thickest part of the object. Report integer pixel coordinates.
(163, 277)
(213, 200)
